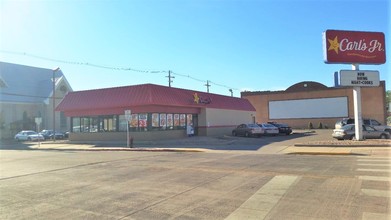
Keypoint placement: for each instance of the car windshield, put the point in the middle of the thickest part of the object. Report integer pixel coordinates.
(31, 133)
(348, 127)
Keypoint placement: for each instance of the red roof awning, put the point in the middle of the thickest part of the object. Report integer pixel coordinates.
(146, 98)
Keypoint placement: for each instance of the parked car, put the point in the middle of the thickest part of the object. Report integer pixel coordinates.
(247, 130)
(282, 128)
(347, 132)
(28, 136)
(269, 129)
(48, 134)
(371, 122)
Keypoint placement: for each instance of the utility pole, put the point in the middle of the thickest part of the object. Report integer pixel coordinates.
(169, 78)
(232, 93)
(207, 85)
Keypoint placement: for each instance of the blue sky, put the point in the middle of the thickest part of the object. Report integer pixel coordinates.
(253, 45)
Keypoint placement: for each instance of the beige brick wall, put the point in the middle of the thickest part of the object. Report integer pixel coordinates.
(373, 104)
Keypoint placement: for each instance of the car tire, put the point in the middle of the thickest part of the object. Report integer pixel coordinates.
(234, 133)
(383, 136)
(246, 134)
(29, 138)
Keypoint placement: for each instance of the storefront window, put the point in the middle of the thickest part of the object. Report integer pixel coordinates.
(176, 120)
(75, 125)
(170, 122)
(84, 124)
(122, 123)
(189, 119)
(183, 120)
(133, 123)
(94, 126)
(108, 123)
(163, 121)
(143, 121)
(137, 122)
(155, 120)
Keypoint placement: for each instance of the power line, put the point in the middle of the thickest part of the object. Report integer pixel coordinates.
(84, 63)
(30, 96)
(118, 68)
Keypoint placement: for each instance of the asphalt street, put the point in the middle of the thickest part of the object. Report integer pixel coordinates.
(68, 184)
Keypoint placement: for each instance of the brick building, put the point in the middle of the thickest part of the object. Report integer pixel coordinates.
(312, 102)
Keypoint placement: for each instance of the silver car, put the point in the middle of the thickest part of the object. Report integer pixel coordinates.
(247, 130)
(29, 136)
(347, 132)
(269, 129)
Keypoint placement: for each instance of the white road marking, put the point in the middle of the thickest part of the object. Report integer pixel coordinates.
(377, 216)
(375, 192)
(375, 178)
(260, 204)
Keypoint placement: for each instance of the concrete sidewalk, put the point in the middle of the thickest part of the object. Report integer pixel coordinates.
(302, 145)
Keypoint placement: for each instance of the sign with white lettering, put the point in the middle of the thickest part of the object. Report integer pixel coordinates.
(128, 114)
(354, 47)
(359, 78)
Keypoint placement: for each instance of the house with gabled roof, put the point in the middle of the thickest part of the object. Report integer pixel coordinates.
(26, 94)
(157, 112)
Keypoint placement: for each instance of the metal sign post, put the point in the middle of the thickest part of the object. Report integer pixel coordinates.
(128, 115)
(38, 121)
(357, 108)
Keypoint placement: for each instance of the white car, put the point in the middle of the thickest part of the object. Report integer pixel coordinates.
(29, 136)
(269, 128)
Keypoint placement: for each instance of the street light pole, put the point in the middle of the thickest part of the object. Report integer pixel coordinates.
(54, 103)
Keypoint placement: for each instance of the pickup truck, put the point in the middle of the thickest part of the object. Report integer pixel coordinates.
(371, 122)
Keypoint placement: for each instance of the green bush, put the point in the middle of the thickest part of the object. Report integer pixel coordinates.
(320, 125)
(310, 126)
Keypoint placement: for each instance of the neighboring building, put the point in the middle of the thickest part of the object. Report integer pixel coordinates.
(158, 112)
(312, 102)
(27, 94)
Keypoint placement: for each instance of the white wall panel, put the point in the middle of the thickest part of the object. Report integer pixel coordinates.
(309, 108)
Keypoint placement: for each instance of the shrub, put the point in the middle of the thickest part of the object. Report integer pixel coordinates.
(320, 125)
(310, 126)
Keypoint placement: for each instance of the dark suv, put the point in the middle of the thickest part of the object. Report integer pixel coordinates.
(282, 128)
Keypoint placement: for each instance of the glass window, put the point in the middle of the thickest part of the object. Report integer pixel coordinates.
(375, 123)
(155, 120)
(183, 120)
(170, 122)
(143, 121)
(163, 121)
(108, 123)
(85, 124)
(189, 119)
(76, 125)
(122, 123)
(176, 120)
(94, 126)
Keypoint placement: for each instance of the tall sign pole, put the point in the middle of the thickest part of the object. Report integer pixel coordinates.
(357, 108)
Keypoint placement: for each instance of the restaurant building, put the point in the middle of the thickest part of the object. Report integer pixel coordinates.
(308, 102)
(157, 112)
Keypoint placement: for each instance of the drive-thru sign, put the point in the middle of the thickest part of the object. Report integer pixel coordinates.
(355, 47)
(359, 78)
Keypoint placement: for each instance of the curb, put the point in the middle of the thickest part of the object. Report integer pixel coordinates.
(328, 153)
(331, 145)
(123, 149)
